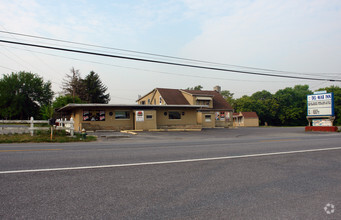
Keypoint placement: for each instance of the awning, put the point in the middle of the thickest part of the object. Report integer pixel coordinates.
(204, 98)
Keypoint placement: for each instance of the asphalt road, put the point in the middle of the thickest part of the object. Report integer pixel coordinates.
(252, 173)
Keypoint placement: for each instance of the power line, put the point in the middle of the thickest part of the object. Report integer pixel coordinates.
(164, 56)
(148, 70)
(8, 68)
(164, 62)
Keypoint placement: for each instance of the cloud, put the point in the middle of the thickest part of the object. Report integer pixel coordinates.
(271, 34)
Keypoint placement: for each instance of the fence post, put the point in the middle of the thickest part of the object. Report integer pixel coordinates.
(71, 127)
(31, 126)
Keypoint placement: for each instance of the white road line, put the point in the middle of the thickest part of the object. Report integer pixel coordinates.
(168, 162)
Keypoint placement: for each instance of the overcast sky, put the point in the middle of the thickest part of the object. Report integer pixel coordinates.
(301, 36)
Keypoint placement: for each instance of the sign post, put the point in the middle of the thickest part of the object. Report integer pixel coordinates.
(320, 112)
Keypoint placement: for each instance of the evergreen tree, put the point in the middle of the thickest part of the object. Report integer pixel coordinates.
(95, 89)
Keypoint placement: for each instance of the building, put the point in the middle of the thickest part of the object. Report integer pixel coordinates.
(215, 110)
(159, 109)
(245, 119)
(131, 117)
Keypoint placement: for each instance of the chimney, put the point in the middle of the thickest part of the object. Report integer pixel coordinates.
(217, 88)
(139, 96)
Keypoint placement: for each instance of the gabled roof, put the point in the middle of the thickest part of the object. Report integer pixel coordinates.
(245, 114)
(218, 100)
(176, 97)
(172, 96)
(249, 114)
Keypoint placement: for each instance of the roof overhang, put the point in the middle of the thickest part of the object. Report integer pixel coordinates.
(133, 106)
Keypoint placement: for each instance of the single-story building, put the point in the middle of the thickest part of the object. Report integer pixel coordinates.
(131, 117)
(245, 119)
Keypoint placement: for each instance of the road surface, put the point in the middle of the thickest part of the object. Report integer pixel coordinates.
(251, 173)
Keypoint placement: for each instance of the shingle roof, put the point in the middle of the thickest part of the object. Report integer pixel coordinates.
(218, 100)
(173, 96)
(249, 114)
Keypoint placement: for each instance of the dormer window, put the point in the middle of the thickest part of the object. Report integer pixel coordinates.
(203, 100)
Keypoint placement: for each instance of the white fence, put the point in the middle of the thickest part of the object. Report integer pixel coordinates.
(6, 126)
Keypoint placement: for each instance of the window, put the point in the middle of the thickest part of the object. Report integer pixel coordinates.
(93, 115)
(154, 101)
(122, 115)
(207, 118)
(160, 100)
(174, 115)
(148, 101)
(143, 102)
(149, 116)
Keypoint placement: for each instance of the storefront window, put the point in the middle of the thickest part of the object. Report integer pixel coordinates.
(93, 115)
(122, 115)
(174, 115)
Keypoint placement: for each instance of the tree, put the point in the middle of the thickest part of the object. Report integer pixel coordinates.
(90, 90)
(64, 100)
(228, 96)
(49, 111)
(95, 90)
(22, 94)
(286, 107)
(73, 85)
(292, 109)
(198, 87)
(337, 102)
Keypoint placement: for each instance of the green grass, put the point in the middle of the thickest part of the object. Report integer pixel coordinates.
(44, 136)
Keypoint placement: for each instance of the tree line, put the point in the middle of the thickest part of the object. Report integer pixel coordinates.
(286, 107)
(25, 94)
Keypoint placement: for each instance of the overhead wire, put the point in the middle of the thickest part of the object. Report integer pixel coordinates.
(148, 70)
(165, 62)
(36, 56)
(164, 56)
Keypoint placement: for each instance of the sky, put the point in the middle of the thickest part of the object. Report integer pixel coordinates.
(297, 37)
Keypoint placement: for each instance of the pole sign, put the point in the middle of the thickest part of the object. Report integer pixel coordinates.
(320, 104)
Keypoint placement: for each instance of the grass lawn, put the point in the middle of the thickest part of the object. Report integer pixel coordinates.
(44, 136)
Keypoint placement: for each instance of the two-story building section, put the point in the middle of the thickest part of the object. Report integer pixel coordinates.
(215, 110)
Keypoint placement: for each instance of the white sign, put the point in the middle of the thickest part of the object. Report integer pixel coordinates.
(320, 104)
(139, 115)
(322, 122)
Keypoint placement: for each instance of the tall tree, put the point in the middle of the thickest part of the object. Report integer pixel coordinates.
(73, 85)
(95, 89)
(22, 94)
